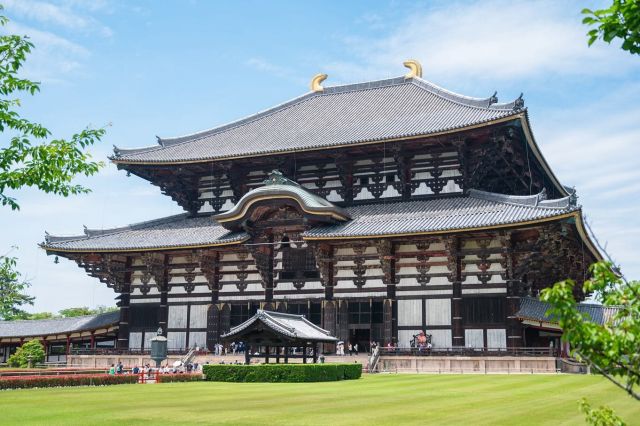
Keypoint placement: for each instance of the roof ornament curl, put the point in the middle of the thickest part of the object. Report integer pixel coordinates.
(415, 69)
(518, 104)
(494, 98)
(316, 81)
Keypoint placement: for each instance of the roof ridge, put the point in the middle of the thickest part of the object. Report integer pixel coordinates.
(538, 200)
(79, 317)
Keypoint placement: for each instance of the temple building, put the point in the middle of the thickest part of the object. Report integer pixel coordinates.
(376, 210)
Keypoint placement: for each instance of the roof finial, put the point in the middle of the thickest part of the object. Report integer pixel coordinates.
(414, 67)
(315, 82)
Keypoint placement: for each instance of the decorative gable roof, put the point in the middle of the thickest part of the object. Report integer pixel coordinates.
(397, 108)
(278, 187)
(286, 326)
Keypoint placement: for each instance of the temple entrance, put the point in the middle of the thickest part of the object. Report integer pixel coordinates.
(361, 336)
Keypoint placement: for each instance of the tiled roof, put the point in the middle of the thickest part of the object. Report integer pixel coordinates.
(536, 310)
(174, 231)
(290, 326)
(48, 327)
(477, 210)
(338, 116)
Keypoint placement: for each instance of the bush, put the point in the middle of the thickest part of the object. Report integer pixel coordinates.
(282, 372)
(75, 380)
(169, 378)
(32, 348)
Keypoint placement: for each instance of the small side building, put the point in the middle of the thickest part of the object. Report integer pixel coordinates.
(60, 335)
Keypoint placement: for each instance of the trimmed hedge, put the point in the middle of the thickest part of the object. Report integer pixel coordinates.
(76, 380)
(169, 378)
(281, 372)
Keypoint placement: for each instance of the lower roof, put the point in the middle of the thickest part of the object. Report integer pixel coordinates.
(536, 310)
(55, 326)
(475, 211)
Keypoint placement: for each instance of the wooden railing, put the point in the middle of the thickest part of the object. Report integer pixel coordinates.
(463, 351)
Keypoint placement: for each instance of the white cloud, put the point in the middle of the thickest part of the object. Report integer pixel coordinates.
(52, 57)
(63, 16)
(497, 39)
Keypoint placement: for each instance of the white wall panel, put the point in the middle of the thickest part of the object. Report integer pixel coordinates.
(177, 316)
(474, 338)
(147, 339)
(135, 340)
(198, 316)
(440, 338)
(438, 312)
(409, 312)
(198, 338)
(176, 339)
(497, 338)
(405, 337)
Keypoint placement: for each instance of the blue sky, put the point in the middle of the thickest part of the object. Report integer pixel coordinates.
(168, 68)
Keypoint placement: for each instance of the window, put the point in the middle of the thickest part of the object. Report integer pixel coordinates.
(365, 313)
(143, 316)
(311, 311)
(483, 310)
(298, 263)
(241, 313)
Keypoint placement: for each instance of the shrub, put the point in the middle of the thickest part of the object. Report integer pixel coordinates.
(71, 380)
(169, 378)
(32, 348)
(281, 372)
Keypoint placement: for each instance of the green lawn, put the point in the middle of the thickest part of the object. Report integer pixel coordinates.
(372, 400)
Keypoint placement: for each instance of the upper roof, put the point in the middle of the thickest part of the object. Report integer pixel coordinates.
(294, 327)
(478, 210)
(395, 108)
(277, 186)
(536, 310)
(50, 327)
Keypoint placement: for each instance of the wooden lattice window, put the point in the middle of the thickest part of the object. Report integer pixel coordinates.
(298, 263)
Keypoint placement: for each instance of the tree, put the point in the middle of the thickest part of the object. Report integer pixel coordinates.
(31, 352)
(12, 287)
(611, 349)
(620, 20)
(32, 158)
(75, 312)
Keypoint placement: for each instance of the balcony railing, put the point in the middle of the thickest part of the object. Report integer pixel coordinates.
(464, 351)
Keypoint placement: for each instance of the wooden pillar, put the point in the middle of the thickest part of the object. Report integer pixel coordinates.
(122, 341)
(247, 354)
(514, 326)
(304, 354)
(315, 353)
(277, 354)
(69, 343)
(266, 354)
(163, 286)
(286, 354)
(93, 340)
(454, 263)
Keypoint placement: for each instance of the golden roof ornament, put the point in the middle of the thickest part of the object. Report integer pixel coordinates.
(415, 69)
(315, 82)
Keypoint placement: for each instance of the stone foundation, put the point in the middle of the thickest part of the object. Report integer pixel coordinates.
(460, 364)
(105, 361)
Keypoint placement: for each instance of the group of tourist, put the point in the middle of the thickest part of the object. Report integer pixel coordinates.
(352, 348)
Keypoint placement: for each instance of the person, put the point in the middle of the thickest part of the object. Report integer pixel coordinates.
(112, 370)
(135, 370)
(119, 368)
(350, 349)
(355, 349)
